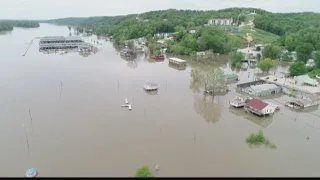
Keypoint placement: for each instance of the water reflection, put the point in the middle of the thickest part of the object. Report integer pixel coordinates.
(261, 121)
(179, 68)
(132, 64)
(66, 51)
(207, 107)
(5, 32)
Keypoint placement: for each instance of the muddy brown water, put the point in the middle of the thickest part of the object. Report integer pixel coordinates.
(87, 133)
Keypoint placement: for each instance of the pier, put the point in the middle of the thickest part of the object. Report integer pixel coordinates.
(28, 48)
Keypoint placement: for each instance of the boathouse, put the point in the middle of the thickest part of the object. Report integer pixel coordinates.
(60, 42)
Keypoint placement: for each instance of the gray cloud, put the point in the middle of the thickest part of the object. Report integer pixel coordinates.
(47, 9)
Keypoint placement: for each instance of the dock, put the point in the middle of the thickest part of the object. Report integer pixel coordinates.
(25, 53)
(60, 42)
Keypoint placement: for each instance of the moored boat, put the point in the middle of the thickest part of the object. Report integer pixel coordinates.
(158, 57)
(238, 102)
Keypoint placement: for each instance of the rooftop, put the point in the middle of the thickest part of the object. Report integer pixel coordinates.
(306, 79)
(257, 104)
(219, 18)
(150, 86)
(177, 59)
(231, 76)
(263, 87)
(60, 38)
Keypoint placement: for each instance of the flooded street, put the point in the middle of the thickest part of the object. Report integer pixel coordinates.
(81, 130)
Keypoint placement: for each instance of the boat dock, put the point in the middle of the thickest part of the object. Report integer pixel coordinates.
(60, 42)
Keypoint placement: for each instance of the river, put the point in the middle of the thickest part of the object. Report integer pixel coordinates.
(81, 130)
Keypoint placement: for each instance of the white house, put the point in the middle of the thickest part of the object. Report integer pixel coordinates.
(220, 21)
(259, 107)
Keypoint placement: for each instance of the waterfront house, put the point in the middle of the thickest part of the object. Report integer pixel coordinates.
(259, 107)
(304, 101)
(305, 80)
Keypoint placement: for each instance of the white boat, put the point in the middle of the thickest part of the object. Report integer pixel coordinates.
(238, 102)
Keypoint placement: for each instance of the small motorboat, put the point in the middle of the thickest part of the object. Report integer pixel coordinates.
(32, 172)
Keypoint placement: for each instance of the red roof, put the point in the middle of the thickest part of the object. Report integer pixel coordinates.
(257, 104)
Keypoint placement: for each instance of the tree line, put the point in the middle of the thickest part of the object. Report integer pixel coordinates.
(298, 32)
(7, 25)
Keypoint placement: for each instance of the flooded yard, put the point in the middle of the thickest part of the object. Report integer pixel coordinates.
(79, 128)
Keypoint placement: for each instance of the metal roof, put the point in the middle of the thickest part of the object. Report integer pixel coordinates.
(60, 38)
(231, 76)
(263, 87)
(306, 79)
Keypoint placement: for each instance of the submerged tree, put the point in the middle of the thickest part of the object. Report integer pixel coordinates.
(266, 64)
(235, 58)
(216, 80)
(210, 80)
(143, 171)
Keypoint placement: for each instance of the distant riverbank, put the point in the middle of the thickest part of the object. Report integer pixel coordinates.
(8, 25)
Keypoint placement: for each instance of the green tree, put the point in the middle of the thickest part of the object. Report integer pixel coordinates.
(236, 58)
(317, 59)
(286, 57)
(297, 68)
(304, 51)
(217, 79)
(69, 27)
(290, 43)
(214, 39)
(266, 64)
(189, 41)
(258, 48)
(143, 171)
(271, 51)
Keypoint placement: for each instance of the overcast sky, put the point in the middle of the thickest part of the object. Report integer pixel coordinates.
(48, 9)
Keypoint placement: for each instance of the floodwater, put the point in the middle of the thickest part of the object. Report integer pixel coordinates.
(81, 130)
